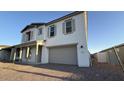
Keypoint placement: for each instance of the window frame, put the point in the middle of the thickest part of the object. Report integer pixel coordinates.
(53, 31)
(67, 27)
(72, 28)
(28, 36)
(40, 31)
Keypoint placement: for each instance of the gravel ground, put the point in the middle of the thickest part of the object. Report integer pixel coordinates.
(54, 72)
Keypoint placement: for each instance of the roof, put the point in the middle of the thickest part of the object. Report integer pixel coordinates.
(53, 21)
(4, 45)
(116, 46)
(32, 25)
(64, 17)
(40, 42)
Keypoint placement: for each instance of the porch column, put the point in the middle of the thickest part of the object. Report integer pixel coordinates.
(36, 53)
(20, 55)
(14, 56)
(27, 53)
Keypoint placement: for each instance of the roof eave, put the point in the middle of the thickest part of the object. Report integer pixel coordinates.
(56, 20)
(64, 17)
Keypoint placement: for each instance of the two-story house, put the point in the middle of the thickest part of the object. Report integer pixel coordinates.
(61, 41)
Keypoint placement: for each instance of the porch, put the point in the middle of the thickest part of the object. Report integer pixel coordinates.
(29, 53)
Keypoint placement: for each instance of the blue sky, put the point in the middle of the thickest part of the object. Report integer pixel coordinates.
(105, 29)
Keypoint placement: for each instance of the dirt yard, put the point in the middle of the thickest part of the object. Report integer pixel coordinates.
(10, 71)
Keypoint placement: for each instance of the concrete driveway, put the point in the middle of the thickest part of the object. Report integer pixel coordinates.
(10, 71)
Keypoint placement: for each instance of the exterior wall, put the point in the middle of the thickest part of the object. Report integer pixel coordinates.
(77, 37)
(42, 36)
(1, 55)
(5, 55)
(35, 34)
(23, 55)
(45, 57)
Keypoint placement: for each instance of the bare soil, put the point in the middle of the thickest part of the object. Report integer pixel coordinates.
(55, 72)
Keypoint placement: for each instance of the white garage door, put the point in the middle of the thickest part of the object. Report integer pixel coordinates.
(63, 55)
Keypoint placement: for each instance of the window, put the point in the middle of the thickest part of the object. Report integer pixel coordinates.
(52, 31)
(40, 31)
(28, 34)
(68, 26)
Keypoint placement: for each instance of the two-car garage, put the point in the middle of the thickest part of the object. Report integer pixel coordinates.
(63, 54)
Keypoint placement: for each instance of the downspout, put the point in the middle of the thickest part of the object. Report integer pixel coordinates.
(86, 32)
(86, 26)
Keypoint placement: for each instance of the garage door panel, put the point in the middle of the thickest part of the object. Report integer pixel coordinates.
(63, 55)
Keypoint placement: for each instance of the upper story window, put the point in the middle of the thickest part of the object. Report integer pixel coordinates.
(40, 31)
(69, 26)
(52, 30)
(28, 36)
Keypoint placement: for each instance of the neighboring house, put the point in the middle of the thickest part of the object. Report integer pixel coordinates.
(62, 41)
(113, 55)
(3, 54)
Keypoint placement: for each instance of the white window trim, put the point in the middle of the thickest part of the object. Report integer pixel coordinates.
(73, 26)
